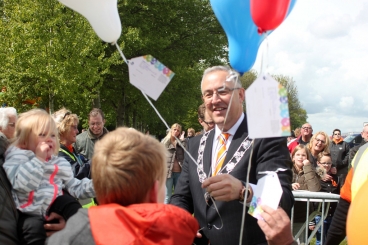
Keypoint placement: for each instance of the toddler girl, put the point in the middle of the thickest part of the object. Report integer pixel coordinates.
(38, 176)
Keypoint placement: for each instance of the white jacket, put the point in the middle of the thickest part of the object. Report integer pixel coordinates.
(36, 184)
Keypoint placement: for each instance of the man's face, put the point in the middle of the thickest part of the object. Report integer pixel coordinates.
(307, 130)
(9, 131)
(96, 124)
(217, 102)
(365, 133)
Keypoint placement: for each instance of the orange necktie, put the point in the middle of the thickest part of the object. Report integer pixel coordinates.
(221, 153)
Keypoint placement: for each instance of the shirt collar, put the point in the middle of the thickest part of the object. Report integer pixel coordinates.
(232, 130)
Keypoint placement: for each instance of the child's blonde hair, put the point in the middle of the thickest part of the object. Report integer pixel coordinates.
(33, 123)
(300, 147)
(125, 166)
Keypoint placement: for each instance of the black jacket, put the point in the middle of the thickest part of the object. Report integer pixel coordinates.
(81, 167)
(8, 210)
(354, 150)
(340, 156)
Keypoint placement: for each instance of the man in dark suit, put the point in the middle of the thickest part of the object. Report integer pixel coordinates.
(227, 183)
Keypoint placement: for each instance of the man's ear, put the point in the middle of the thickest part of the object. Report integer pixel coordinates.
(152, 195)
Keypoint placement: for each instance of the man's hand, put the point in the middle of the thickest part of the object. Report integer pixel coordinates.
(276, 226)
(333, 170)
(52, 228)
(223, 187)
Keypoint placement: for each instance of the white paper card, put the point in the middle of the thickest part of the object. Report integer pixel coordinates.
(267, 108)
(268, 192)
(149, 75)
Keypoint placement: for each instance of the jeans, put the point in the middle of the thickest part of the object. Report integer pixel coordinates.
(170, 183)
(326, 226)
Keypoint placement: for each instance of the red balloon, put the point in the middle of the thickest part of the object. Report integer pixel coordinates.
(268, 14)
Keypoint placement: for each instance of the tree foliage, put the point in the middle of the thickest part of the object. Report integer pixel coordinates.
(52, 57)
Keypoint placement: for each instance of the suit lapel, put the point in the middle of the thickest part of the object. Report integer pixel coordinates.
(207, 154)
(238, 138)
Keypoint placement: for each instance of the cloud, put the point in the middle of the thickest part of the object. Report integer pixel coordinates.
(346, 102)
(331, 26)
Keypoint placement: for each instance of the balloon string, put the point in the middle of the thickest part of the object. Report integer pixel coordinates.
(264, 56)
(245, 196)
(121, 53)
(167, 126)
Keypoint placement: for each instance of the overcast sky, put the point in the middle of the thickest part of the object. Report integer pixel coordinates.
(323, 46)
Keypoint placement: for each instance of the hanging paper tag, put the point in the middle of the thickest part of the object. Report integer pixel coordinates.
(268, 192)
(267, 109)
(149, 75)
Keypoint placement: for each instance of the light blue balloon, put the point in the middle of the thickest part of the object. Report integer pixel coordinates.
(243, 38)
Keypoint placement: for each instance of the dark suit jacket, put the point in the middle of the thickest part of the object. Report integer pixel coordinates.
(268, 154)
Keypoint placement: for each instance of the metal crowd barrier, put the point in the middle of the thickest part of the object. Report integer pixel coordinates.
(321, 198)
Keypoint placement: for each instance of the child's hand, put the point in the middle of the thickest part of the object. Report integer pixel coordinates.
(295, 186)
(333, 170)
(326, 177)
(306, 162)
(43, 151)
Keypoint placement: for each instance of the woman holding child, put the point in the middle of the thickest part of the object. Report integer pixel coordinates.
(175, 158)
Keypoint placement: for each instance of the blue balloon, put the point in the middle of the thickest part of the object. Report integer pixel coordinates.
(242, 34)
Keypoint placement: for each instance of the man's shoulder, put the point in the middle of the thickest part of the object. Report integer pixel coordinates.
(82, 136)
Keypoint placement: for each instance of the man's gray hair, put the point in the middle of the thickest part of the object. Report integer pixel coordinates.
(222, 68)
(5, 113)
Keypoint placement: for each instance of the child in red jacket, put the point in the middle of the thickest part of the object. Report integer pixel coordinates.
(129, 173)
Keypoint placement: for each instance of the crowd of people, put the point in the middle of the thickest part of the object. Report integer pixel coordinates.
(182, 190)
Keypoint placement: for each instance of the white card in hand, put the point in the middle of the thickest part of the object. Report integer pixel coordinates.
(267, 108)
(268, 192)
(149, 75)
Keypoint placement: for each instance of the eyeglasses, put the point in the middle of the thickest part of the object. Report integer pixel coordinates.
(66, 114)
(95, 124)
(209, 123)
(11, 124)
(221, 92)
(326, 163)
(337, 134)
(322, 141)
(306, 128)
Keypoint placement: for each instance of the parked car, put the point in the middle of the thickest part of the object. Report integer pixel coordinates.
(353, 139)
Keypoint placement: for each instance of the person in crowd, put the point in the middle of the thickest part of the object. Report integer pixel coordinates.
(37, 176)
(354, 150)
(304, 137)
(319, 143)
(131, 209)
(204, 119)
(291, 138)
(67, 125)
(86, 141)
(215, 189)
(8, 211)
(357, 176)
(175, 157)
(305, 177)
(190, 133)
(297, 132)
(340, 155)
(330, 186)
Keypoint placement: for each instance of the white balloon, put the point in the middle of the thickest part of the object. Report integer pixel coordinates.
(102, 15)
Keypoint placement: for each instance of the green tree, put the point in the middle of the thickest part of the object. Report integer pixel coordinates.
(50, 54)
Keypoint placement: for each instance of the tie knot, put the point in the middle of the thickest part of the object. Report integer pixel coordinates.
(223, 137)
